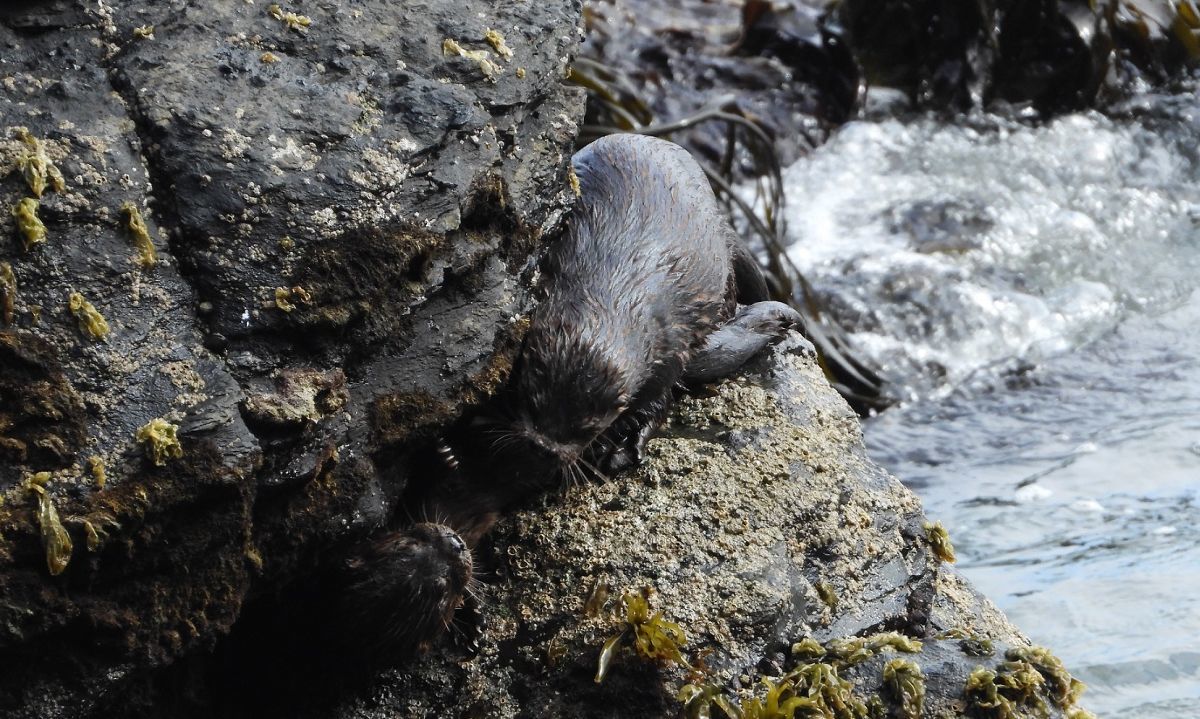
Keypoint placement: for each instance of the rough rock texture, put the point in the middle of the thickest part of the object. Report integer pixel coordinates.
(341, 215)
(758, 521)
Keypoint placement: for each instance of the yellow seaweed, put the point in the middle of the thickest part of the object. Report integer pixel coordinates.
(161, 440)
(28, 223)
(55, 538)
(91, 322)
(147, 257)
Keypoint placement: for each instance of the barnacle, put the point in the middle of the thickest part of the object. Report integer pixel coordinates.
(141, 234)
(939, 541)
(28, 223)
(652, 637)
(8, 293)
(299, 23)
(160, 439)
(482, 58)
(37, 167)
(269, 58)
(90, 320)
(145, 32)
(906, 684)
(55, 538)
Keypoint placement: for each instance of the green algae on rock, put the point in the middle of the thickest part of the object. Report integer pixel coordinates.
(160, 438)
(1029, 683)
(293, 21)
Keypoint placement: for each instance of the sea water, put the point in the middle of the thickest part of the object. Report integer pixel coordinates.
(1031, 291)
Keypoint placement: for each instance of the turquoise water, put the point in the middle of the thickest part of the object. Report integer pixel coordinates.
(1035, 294)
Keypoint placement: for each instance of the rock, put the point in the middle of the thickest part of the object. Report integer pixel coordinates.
(341, 216)
(756, 522)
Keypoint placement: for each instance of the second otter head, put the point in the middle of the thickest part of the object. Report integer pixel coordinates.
(403, 588)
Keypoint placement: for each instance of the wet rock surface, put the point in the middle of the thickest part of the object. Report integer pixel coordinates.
(757, 521)
(340, 216)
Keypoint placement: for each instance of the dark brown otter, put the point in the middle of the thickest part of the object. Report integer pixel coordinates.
(647, 268)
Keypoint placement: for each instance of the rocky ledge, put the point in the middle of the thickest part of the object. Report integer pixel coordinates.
(774, 555)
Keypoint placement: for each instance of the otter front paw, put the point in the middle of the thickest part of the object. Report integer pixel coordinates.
(739, 340)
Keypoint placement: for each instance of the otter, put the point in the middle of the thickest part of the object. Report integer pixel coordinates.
(647, 270)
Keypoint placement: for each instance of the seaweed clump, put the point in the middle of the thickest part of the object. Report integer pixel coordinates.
(651, 636)
(299, 23)
(8, 293)
(482, 58)
(147, 257)
(55, 538)
(1029, 683)
(856, 650)
(906, 684)
(161, 440)
(496, 40)
(939, 541)
(28, 223)
(36, 167)
(91, 322)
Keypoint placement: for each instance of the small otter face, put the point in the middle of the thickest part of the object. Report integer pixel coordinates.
(406, 585)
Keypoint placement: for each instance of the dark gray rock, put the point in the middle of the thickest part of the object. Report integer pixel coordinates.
(341, 214)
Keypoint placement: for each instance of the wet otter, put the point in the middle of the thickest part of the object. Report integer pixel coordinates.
(646, 270)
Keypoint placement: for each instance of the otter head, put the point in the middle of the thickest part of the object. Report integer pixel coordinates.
(404, 587)
(566, 391)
